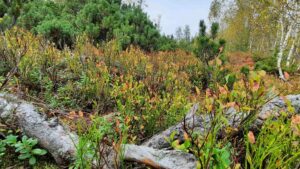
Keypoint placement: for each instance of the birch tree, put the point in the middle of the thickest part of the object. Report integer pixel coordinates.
(289, 19)
(263, 27)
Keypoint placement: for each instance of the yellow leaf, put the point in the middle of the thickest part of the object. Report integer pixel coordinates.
(295, 124)
(255, 86)
(222, 90)
(237, 166)
(197, 91)
(231, 104)
(262, 73)
(80, 113)
(135, 118)
(208, 92)
(278, 163)
(72, 114)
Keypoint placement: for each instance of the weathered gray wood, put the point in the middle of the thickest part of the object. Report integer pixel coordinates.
(168, 159)
(274, 107)
(201, 122)
(159, 141)
(52, 136)
(60, 142)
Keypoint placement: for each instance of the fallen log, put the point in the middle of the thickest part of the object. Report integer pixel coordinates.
(201, 122)
(61, 143)
(159, 141)
(168, 159)
(53, 137)
(275, 106)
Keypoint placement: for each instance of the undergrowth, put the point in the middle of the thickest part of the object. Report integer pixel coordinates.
(147, 93)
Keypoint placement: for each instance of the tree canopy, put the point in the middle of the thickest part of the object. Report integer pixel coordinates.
(100, 20)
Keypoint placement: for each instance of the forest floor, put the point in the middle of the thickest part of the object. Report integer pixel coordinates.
(237, 60)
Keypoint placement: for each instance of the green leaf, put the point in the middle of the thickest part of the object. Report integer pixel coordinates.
(187, 144)
(172, 136)
(24, 139)
(19, 148)
(11, 139)
(38, 151)
(24, 156)
(32, 160)
(23, 151)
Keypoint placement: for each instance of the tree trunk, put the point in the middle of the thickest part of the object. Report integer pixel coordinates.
(288, 60)
(283, 44)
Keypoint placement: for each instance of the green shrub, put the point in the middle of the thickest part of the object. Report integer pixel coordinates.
(269, 64)
(25, 148)
(95, 141)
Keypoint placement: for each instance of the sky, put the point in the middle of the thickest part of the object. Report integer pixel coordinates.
(178, 13)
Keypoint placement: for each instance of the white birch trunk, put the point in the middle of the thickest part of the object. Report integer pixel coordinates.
(283, 44)
(290, 54)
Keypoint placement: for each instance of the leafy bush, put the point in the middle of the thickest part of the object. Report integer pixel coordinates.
(95, 141)
(25, 148)
(154, 89)
(269, 64)
(213, 146)
(147, 93)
